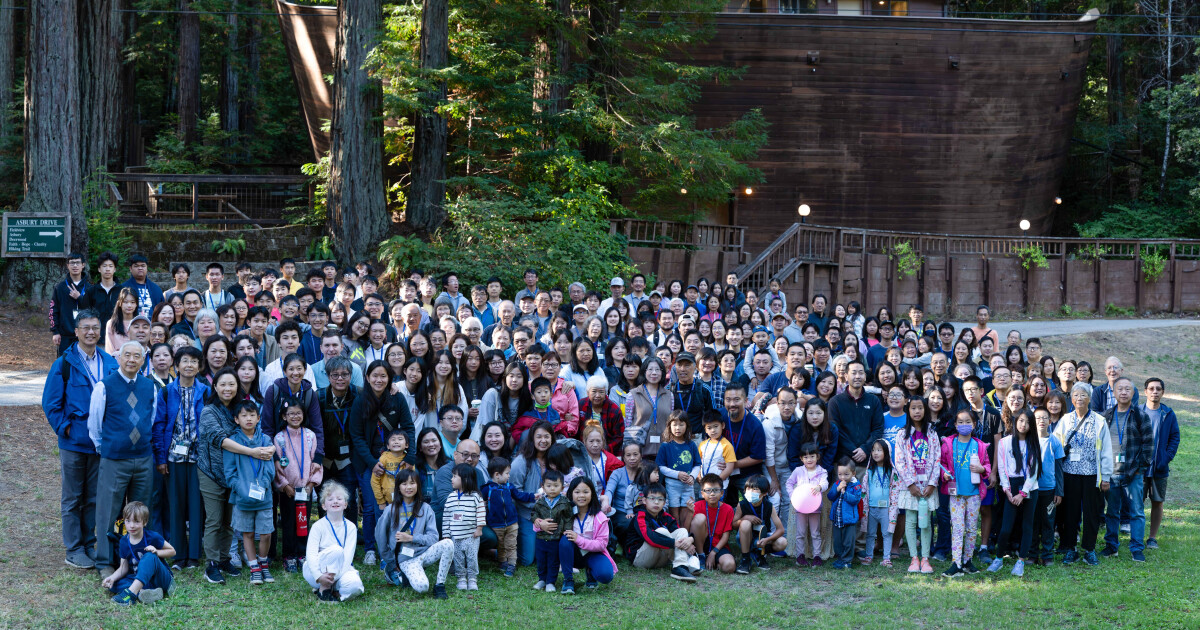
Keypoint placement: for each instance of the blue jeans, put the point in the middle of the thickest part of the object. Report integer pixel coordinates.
(369, 509)
(1131, 494)
(571, 556)
(526, 541)
(547, 560)
(152, 572)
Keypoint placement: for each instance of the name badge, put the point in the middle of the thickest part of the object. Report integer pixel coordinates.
(406, 551)
(344, 450)
(302, 494)
(181, 449)
(1076, 456)
(457, 517)
(758, 528)
(256, 492)
(655, 439)
(1121, 458)
(953, 489)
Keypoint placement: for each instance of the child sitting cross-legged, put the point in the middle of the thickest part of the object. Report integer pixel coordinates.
(407, 537)
(143, 576)
(656, 539)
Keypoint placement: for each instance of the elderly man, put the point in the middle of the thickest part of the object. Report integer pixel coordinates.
(1104, 396)
(120, 418)
(467, 452)
(506, 313)
(1132, 438)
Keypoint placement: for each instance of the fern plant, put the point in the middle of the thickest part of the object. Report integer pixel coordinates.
(230, 247)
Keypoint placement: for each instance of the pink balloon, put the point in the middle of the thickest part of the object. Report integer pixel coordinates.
(804, 501)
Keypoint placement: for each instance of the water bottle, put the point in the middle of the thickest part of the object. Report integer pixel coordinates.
(974, 475)
(923, 512)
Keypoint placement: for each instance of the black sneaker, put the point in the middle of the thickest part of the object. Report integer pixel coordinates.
(743, 567)
(953, 571)
(439, 591)
(969, 568)
(761, 561)
(327, 597)
(266, 574)
(1109, 552)
(256, 576)
(984, 556)
(229, 569)
(1071, 557)
(290, 565)
(682, 574)
(1089, 558)
(213, 574)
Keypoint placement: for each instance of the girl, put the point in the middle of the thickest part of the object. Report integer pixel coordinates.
(116, 335)
(430, 457)
(394, 355)
(505, 403)
(600, 462)
(354, 337)
(443, 386)
(297, 473)
(1055, 404)
(418, 346)
(474, 380)
(408, 538)
(330, 552)
(810, 473)
(561, 459)
(614, 358)
(679, 462)
(616, 501)
(816, 429)
(719, 331)
(414, 391)
(585, 544)
(917, 454)
(883, 487)
(965, 467)
(247, 376)
(377, 334)
(1019, 456)
(463, 520)
(631, 372)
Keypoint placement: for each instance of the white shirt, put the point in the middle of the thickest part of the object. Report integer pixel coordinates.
(273, 371)
(96, 409)
(321, 537)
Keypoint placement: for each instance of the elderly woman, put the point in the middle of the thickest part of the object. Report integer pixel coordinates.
(1086, 470)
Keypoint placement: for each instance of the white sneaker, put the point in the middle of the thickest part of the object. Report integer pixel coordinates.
(472, 585)
(369, 558)
(540, 585)
(462, 584)
(550, 588)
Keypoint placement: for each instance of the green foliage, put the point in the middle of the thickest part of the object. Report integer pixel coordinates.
(232, 247)
(1143, 220)
(1112, 310)
(318, 173)
(1032, 256)
(320, 249)
(908, 261)
(104, 230)
(1091, 252)
(1154, 263)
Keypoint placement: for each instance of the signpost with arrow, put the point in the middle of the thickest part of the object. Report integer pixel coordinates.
(35, 235)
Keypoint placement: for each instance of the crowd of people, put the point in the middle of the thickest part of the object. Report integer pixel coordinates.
(278, 422)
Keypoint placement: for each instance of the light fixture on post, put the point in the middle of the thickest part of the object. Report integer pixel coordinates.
(683, 191)
(804, 211)
(1024, 225)
(1058, 201)
(749, 190)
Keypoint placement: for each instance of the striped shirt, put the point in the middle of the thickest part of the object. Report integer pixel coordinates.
(462, 514)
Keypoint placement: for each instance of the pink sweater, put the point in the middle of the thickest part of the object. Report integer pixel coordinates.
(296, 473)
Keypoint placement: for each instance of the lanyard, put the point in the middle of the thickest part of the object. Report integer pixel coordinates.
(741, 431)
(411, 522)
(712, 525)
(1120, 426)
(302, 450)
(255, 466)
(653, 408)
(340, 541)
(600, 469)
(752, 510)
(209, 300)
(375, 355)
(715, 450)
(582, 523)
(340, 416)
(92, 378)
(685, 406)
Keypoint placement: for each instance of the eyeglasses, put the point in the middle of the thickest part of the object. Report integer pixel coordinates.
(89, 328)
(712, 491)
(339, 375)
(895, 395)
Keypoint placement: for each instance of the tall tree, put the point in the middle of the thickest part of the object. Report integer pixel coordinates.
(229, 72)
(53, 181)
(8, 52)
(102, 36)
(428, 191)
(357, 207)
(189, 70)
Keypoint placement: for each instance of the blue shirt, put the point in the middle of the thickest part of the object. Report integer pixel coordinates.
(748, 439)
(1052, 451)
(891, 428)
(879, 487)
(677, 458)
(133, 553)
(962, 467)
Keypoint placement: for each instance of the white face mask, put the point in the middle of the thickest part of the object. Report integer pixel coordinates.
(753, 497)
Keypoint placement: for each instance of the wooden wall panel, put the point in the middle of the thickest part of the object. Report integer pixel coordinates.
(1189, 281)
(1045, 288)
(1119, 279)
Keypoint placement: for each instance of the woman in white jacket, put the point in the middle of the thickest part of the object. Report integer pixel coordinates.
(332, 540)
(1087, 470)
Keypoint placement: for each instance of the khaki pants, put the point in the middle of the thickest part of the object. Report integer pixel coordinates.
(506, 543)
(651, 557)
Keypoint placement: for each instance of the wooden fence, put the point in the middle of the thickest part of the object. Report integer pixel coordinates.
(208, 200)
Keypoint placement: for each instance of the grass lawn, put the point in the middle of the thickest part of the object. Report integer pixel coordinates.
(42, 592)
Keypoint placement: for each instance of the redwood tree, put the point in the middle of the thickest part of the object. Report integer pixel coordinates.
(102, 35)
(8, 51)
(428, 191)
(53, 181)
(357, 207)
(189, 70)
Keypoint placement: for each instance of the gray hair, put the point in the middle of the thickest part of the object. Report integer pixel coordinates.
(597, 381)
(1082, 387)
(472, 321)
(1115, 360)
(576, 284)
(339, 363)
(137, 344)
(207, 313)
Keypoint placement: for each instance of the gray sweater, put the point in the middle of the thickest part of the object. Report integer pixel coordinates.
(424, 531)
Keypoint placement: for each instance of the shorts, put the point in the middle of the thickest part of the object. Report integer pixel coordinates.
(253, 522)
(989, 498)
(1156, 489)
(720, 551)
(679, 494)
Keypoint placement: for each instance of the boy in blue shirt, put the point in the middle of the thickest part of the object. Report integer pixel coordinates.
(250, 482)
(143, 576)
(844, 512)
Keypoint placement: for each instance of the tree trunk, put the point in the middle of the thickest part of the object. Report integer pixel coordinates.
(357, 207)
(8, 52)
(102, 37)
(249, 96)
(53, 181)
(229, 73)
(428, 191)
(188, 106)
(550, 88)
(1166, 157)
(604, 19)
(131, 109)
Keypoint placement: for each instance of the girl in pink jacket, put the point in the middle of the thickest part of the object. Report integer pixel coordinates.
(585, 543)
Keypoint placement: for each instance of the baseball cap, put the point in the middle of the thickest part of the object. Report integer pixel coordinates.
(781, 314)
(579, 307)
(617, 282)
(758, 329)
(140, 318)
(887, 322)
(685, 356)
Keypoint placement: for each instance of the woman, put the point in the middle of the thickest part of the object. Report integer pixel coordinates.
(377, 333)
(458, 345)
(1083, 372)
(419, 347)
(437, 340)
(704, 327)
(244, 346)
(217, 427)
(826, 386)
(227, 321)
(241, 309)
(293, 390)
(430, 457)
(217, 351)
(354, 338)
(1056, 404)
(1036, 389)
(593, 333)
(562, 396)
(474, 380)
(952, 392)
(558, 323)
(395, 358)
(526, 474)
(1014, 358)
(495, 443)
(164, 313)
(338, 314)
(162, 367)
(375, 413)
(583, 365)
(506, 402)
(702, 287)
(941, 416)
(961, 354)
(719, 333)
(614, 357)
(712, 304)
(612, 323)
(885, 377)
(1049, 368)
(631, 372)
(247, 375)
(205, 326)
(126, 309)
(414, 390)
(495, 362)
(1086, 470)
(585, 544)
(176, 302)
(443, 384)
(648, 407)
(562, 345)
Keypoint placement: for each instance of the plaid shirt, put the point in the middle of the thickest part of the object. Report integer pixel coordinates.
(716, 385)
(611, 421)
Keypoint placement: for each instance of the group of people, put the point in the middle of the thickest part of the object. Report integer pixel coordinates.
(275, 422)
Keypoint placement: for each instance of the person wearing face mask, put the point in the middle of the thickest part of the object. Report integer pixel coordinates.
(965, 467)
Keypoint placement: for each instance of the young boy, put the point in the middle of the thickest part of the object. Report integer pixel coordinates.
(250, 481)
(143, 576)
(656, 539)
(542, 390)
(759, 529)
(1166, 444)
(713, 523)
(499, 495)
(844, 512)
(551, 517)
(716, 448)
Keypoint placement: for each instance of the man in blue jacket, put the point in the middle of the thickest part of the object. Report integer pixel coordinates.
(1165, 430)
(65, 400)
(1103, 396)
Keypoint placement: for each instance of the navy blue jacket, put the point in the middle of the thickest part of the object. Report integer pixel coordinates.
(1166, 444)
(63, 323)
(501, 511)
(749, 440)
(66, 404)
(166, 412)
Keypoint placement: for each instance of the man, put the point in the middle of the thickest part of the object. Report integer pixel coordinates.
(576, 291)
(691, 397)
(638, 284)
(1164, 428)
(336, 399)
(1033, 351)
(821, 353)
(981, 329)
(946, 338)
(369, 286)
(311, 341)
(120, 421)
(64, 306)
(259, 318)
(779, 420)
(887, 330)
(760, 369)
(779, 324)
(521, 337)
(666, 325)
(287, 336)
(693, 342)
(192, 303)
(745, 431)
(66, 398)
(467, 452)
(244, 271)
(101, 297)
(818, 316)
(1002, 384)
(181, 273)
(916, 313)
(795, 330)
(329, 290)
(148, 294)
(617, 288)
(314, 280)
(986, 351)
(794, 363)
(506, 312)
(480, 307)
(691, 297)
(939, 364)
(450, 290)
(531, 288)
(1104, 395)
(1132, 438)
(287, 271)
(215, 296)
(858, 416)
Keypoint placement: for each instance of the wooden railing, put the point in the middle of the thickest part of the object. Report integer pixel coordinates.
(209, 199)
(677, 234)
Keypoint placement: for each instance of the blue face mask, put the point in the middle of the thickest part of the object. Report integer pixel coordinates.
(965, 429)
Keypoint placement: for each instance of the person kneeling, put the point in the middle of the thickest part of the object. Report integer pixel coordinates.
(713, 524)
(328, 559)
(656, 539)
(143, 576)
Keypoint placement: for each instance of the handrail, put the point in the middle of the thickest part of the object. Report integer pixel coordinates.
(646, 233)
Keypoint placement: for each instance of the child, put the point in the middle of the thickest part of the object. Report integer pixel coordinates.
(881, 488)
(1050, 489)
(916, 461)
(636, 492)
(542, 390)
(809, 525)
(712, 524)
(384, 484)
(716, 448)
(499, 495)
(463, 519)
(586, 541)
(656, 539)
(407, 538)
(679, 462)
(142, 576)
(1019, 456)
(757, 522)
(328, 559)
(296, 475)
(965, 469)
(248, 480)
(844, 512)
(551, 517)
